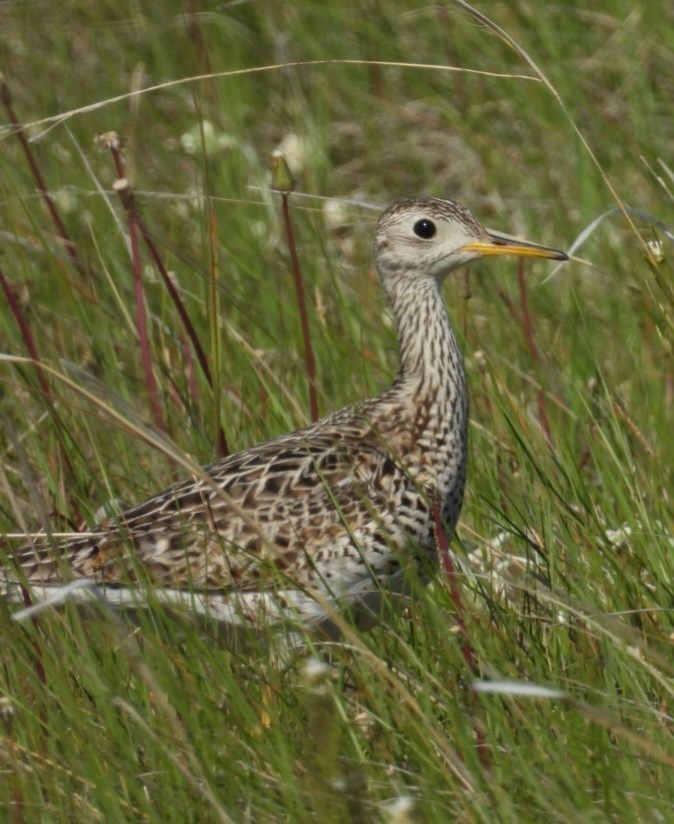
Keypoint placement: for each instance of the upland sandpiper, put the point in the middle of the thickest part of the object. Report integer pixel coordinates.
(329, 517)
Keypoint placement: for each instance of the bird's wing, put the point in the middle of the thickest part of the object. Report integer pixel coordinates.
(260, 514)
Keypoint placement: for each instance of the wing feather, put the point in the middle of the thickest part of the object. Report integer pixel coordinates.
(262, 513)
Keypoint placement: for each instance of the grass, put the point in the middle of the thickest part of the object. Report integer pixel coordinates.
(565, 537)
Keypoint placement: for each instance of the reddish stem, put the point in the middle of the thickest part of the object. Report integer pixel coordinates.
(126, 196)
(524, 321)
(39, 665)
(39, 178)
(24, 328)
(115, 146)
(302, 304)
(447, 563)
(111, 141)
(190, 374)
(527, 329)
(442, 543)
(177, 302)
(31, 347)
(509, 305)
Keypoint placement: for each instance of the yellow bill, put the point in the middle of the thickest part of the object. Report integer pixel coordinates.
(496, 244)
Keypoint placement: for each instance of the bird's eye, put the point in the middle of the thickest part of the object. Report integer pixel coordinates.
(424, 228)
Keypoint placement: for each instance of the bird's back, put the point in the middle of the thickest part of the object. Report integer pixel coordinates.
(329, 509)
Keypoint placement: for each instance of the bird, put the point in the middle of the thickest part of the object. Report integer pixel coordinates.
(330, 519)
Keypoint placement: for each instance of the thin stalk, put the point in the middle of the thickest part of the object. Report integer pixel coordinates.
(302, 307)
(123, 189)
(213, 316)
(61, 230)
(25, 330)
(447, 562)
(190, 374)
(523, 319)
(31, 346)
(527, 330)
(111, 141)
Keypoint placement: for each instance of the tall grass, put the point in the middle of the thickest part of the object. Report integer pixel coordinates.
(565, 542)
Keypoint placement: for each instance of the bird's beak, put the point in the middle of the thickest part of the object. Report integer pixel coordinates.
(497, 244)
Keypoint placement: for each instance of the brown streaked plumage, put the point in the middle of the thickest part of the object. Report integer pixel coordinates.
(328, 516)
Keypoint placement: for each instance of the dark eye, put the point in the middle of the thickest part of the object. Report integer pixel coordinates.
(424, 228)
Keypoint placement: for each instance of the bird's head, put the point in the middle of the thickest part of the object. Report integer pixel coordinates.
(433, 236)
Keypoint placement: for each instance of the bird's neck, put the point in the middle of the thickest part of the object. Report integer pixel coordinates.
(431, 364)
(429, 394)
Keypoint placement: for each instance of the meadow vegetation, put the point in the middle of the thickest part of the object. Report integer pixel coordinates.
(565, 544)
